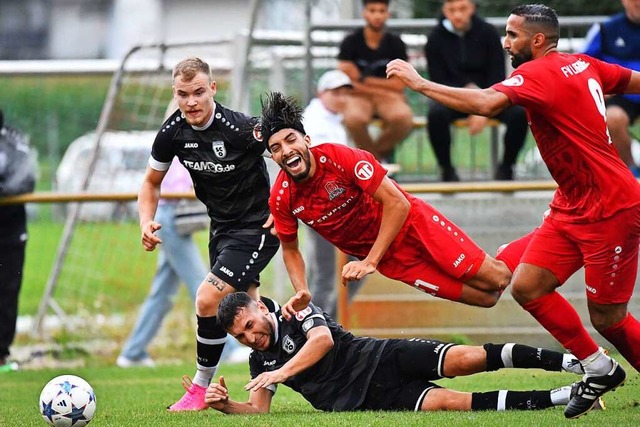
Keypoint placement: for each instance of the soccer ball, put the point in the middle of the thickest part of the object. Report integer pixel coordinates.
(67, 401)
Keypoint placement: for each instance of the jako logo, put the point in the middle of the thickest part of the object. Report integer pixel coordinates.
(191, 145)
(457, 262)
(591, 290)
(298, 209)
(226, 271)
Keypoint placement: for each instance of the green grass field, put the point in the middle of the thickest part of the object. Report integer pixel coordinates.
(138, 397)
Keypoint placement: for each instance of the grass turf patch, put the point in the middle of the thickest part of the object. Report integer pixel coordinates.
(139, 396)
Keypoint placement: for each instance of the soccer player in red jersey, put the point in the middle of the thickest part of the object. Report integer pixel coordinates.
(594, 219)
(345, 196)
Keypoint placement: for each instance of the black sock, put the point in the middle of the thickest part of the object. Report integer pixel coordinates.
(211, 339)
(521, 356)
(506, 399)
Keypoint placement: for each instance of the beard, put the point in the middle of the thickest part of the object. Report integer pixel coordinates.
(302, 175)
(520, 58)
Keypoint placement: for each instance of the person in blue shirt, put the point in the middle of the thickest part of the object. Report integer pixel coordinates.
(617, 40)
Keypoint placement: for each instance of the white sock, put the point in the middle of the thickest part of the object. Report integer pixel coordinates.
(560, 396)
(204, 375)
(597, 364)
(507, 355)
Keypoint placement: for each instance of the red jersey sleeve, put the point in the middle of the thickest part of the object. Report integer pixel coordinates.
(615, 78)
(285, 223)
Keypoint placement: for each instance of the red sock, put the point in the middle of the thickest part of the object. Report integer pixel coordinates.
(511, 253)
(625, 336)
(559, 317)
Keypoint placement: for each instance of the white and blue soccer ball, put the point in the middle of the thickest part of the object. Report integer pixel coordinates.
(67, 401)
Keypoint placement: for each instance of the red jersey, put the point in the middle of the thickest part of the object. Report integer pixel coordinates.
(337, 201)
(563, 95)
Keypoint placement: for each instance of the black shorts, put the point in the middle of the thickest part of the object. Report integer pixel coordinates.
(631, 108)
(404, 374)
(238, 256)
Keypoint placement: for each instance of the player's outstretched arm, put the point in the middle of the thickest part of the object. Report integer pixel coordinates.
(319, 343)
(395, 209)
(481, 102)
(217, 397)
(148, 197)
(634, 83)
(296, 269)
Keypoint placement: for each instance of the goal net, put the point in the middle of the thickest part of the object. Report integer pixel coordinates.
(101, 272)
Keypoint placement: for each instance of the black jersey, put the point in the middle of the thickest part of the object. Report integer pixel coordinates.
(339, 381)
(372, 62)
(225, 163)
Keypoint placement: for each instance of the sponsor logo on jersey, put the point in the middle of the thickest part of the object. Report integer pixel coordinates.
(219, 149)
(257, 132)
(363, 170)
(269, 363)
(308, 324)
(207, 166)
(298, 210)
(333, 190)
(591, 290)
(576, 68)
(516, 80)
(331, 212)
(288, 345)
(191, 145)
(457, 262)
(226, 271)
(303, 313)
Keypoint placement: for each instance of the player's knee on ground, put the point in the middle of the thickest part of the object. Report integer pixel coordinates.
(441, 399)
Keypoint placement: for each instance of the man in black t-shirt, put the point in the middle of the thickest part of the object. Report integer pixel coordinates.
(222, 151)
(464, 50)
(363, 57)
(337, 371)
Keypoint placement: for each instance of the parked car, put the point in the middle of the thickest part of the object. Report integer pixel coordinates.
(120, 168)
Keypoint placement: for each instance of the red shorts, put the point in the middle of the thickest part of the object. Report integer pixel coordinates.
(607, 249)
(434, 256)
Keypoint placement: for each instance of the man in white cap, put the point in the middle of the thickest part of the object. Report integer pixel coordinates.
(323, 123)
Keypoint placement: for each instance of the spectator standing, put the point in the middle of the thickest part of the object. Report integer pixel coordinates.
(363, 57)
(617, 41)
(17, 176)
(323, 123)
(464, 51)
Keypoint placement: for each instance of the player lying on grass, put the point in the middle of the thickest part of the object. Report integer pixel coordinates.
(337, 371)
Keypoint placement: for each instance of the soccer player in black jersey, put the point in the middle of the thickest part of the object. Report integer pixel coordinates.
(222, 151)
(337, 371)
